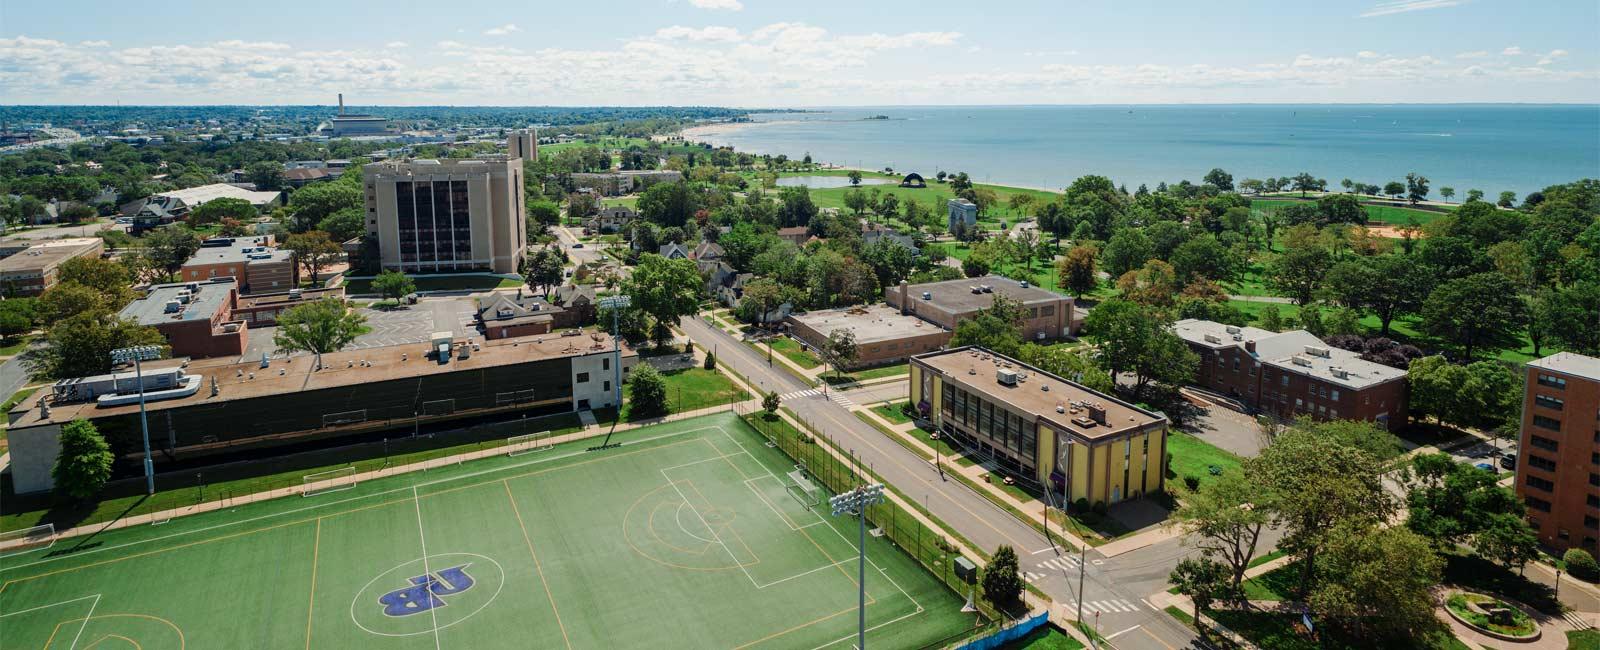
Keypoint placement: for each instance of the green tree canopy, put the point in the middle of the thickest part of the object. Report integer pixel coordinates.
(83, 465)
(320, 327)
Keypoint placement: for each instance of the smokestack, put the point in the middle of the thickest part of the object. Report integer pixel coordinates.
(341, 103)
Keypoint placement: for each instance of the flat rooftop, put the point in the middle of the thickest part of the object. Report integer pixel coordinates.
(197, 195)
(1196, 331)
(1038, 392)
(870, 324)
(247, 250)
(1296, 351)
(248, 380)
(958, 295)
(43, 254)
(203, 303)
(1570, 363)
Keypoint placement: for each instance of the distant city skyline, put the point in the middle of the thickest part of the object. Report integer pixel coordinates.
(754, 53)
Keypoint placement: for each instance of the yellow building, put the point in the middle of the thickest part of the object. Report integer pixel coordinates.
(1041, 428)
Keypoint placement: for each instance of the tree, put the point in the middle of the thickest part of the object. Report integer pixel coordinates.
(542, 212)
(647, 392)
(997, 328)
(313, 203)
(393, 285)
(1304, 182)
(1321, 482)
(1205, 581)
(1507, 199)
(1225, 517)
(83, 465)
(855, 177)
(1128, 249)
(1002, 584)
(890, 261)
(266, 174)
(1376, 582)
(1447, 192)
(170, 247)
(343, 225)
(1271, 319)
(1394, 189)
(17, 317)
(1574, 307)
(840, 349)
(320, 327)
(1298, 271)
(1475, 314)
(1076, 271)
(108, 277)
(797, 209)
(544, 269)
(1062, 362)
(1139, 339)
(215, 210)
(856, 200)
(1581, 564)
(1416, 187)
(313, 250)
(1474, 195)
(1202, 257)
(770, 402)
(974, 268)
(1452, 503)
(667, 204)
(761, 296)
(665, 289)
(81, 345)
(1222, 179)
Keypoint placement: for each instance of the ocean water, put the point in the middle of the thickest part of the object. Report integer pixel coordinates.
(1489, 147)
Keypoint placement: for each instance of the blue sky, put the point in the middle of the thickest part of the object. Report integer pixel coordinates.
(813, 53)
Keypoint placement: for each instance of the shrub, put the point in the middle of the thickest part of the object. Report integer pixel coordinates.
(710, 362)
(1001, 583)
(84, 463)
(769, 402)
(647, 391)
(1100, 508)
(1191, 482)
(1081, 505)
(1581, 565)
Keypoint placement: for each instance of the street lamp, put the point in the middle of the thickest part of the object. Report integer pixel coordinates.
(138, 354)
(856, 502)
(616, 304)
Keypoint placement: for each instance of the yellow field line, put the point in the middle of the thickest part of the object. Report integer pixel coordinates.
(536, 565)
(311, 605)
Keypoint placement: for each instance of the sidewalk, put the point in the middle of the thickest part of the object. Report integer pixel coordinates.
(589, 431)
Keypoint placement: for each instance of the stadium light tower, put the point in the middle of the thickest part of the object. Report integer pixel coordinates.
(616, 304)
(137, 354)
(855, 502)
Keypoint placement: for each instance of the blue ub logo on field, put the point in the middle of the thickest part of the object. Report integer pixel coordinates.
(426, 592)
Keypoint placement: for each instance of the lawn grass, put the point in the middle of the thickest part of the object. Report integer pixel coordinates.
(441, 283)
(894, 412)
(17, 397)
(1386, 214)
(13, 346)
(1277, 584)
(1194, 457)
(1045, 637)
(1583, 640)
(689, 389)
(836, 378)
(933, 197)
(793, 351)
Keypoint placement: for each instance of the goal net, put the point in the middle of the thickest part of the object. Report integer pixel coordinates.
(529, 443)
(27, 539)
(346, 417)
(332, 480)
(802, 489)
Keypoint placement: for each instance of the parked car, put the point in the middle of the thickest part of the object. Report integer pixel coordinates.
(1486, 467)
(578, 245)
(1509, 462)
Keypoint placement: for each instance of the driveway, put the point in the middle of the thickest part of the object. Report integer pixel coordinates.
(1228, 429)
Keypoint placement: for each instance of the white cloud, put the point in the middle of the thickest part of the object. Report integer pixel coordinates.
(96, 43)
(714, 34)
(502, 30)
(974, 48)
(1367, 54)
(1512, 51)
(1552, 57)
(395, 45)
(1475, 54)
(730, 5)
(253, 45)
(1051, 53)
(1405, 6)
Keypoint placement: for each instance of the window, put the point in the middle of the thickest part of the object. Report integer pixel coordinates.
(1594, 501)
(1594, 479)
(608, 386)
(1334, 395)
(1284, 380)
(1542, 463)
(1553, 382)
(583, 377)
(1537, 504)
(1546, 423)
(1049, 310)
(1548, 402)
(605, 363)
(1333, 413)
(1544, 443)
(1543, 485)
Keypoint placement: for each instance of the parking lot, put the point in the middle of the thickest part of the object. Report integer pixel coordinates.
(406, 324)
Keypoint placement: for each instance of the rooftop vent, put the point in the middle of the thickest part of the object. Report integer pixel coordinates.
(975, 289)
(1300, 360)
(1233, 329)
(988, 289)
(1213, 338)
(1097, 412)
(1340, 372)
(1318, 351)
(927, 295)
(1006, 377)
(1084, 421)
(1061, 409)
(1023, 284)
(173, 307)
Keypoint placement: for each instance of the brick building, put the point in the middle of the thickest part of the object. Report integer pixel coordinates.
(1046, 315)
(1294, 373)
(32, 270)
(883, 334)
(263, 309)
(196, 317)
(1558, 460)
(253, 262)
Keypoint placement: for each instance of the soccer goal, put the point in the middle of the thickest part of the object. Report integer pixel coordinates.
(529, 443)
(27, 539)
(803, 490)
(346, 417)
(332, 480)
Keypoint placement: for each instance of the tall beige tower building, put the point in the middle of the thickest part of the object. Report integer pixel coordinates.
(524, 144)
(447, 215)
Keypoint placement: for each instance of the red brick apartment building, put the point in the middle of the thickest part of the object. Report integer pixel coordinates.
(1294, 373)
(196, 317)
(1558, 460)
(1046, 315)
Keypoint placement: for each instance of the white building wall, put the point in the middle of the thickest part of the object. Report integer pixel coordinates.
(599, 390)
(33, 455)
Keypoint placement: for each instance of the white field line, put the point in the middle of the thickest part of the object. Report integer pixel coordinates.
(85, 624)
(426, 571)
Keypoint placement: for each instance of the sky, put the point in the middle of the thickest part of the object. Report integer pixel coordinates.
(768, 53)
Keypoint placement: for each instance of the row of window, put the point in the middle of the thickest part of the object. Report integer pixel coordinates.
(1011, 431)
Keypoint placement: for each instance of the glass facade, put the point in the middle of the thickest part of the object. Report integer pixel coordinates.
(992, 428)
(434, 223)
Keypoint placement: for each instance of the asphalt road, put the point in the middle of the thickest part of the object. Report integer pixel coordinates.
(1123, 611)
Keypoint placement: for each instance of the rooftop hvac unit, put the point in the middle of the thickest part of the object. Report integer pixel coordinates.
(1097, 412)
(1233, 329)
(230, 327)
(1085, 422)
(1213, 338)
(1300, 360)
(294, 294)
(988, 289)
(172, 307)
(1340, 372)
(1318, 351)
(927, 295)
(975, 289)
(1023, 284)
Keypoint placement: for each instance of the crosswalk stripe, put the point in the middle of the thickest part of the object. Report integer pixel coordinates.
(1060, 564)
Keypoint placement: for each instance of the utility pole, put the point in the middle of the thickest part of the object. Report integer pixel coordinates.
(855, 503)
(616, 304)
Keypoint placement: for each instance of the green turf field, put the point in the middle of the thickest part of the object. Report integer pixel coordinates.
(687, 536)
